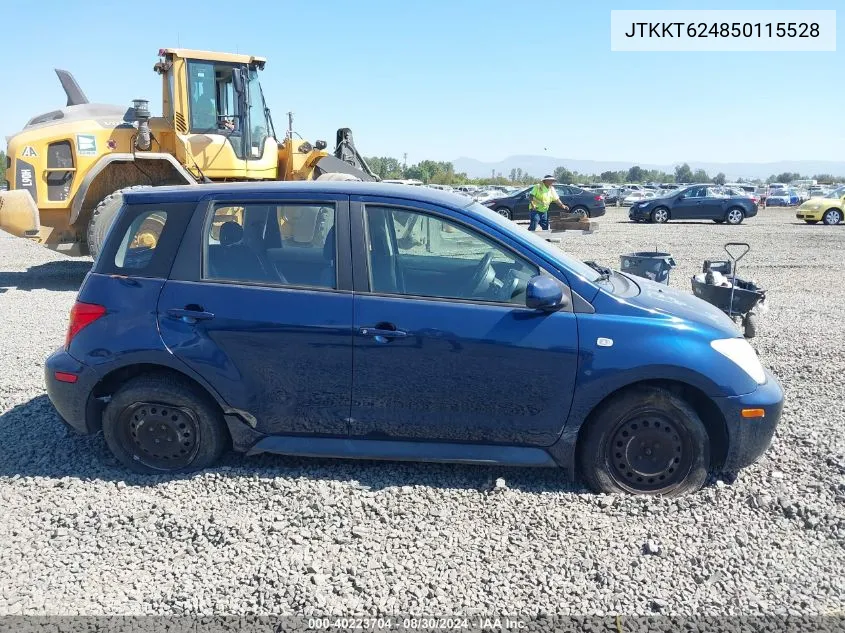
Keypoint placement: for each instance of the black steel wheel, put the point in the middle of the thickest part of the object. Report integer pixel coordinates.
(645, 441)
(158, 424)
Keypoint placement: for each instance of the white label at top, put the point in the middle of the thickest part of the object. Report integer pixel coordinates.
(723, 30)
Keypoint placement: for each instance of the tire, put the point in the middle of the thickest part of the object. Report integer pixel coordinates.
(734, 216)
(832, 216)
(749, 324)
(609, 459)
(504, 212)
(811, 221)
(581, 212)
(102, 218)
(660, 215)
(189, 422)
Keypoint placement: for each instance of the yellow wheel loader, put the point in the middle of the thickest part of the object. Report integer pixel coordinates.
(67, 168)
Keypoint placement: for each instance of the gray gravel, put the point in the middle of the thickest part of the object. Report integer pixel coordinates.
(273, 535)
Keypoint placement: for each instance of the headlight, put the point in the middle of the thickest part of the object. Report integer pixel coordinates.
(740, 352)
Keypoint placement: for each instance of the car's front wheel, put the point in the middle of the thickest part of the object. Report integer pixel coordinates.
(159, 424)
(832, 216)
(734, 216)
(645, 440)
(660, 215)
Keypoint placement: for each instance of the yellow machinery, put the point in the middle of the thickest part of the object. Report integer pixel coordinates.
(67, 167)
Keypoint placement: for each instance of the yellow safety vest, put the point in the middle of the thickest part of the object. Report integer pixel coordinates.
(541, 197)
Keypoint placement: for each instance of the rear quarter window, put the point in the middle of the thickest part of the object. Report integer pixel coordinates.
(143, 240)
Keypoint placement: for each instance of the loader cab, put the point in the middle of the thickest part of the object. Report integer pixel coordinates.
(215, 103)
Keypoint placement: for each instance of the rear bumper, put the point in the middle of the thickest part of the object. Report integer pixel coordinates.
(71, 400)
(749, 438)
(597, 212)
(19, 213)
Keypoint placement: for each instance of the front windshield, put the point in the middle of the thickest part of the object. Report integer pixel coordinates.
(836, 193)
(552, 252)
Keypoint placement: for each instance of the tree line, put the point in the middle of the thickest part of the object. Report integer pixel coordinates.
(443, 173)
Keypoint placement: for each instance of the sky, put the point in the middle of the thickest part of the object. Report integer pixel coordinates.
(444, 79)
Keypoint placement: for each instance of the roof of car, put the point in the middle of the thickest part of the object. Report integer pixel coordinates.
(196, 193)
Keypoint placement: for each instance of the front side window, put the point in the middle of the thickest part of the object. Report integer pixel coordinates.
(140, 240)
(419, 254)
(214, 102)
(290, 245)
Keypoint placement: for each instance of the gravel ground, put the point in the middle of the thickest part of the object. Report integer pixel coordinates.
(285, 536)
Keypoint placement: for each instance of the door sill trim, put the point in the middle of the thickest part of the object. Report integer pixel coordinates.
(395, 450)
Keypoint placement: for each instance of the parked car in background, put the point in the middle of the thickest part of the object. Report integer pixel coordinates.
(396, 323)
(698, 202)
(588, 204)
(829, 209)
(782, 198)
(737, 191)
(636, 196)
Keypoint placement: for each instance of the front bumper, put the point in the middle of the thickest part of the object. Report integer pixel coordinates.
(749, 438)
(72, 400)
(19, 214)
(635, 213)
(809, 214)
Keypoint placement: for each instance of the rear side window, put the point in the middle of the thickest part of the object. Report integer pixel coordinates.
(272, 244)
(143, 240)
(140, 240)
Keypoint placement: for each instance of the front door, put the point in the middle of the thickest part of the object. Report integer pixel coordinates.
(445, 348)
(691, 204)
(266, 319)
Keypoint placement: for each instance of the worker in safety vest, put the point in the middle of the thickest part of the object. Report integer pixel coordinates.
(541, 196)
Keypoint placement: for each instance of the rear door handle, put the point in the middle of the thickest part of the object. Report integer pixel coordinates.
(376, 332)
(189, 316)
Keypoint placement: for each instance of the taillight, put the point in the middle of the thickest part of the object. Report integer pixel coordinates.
(81, 315)
(599, 198)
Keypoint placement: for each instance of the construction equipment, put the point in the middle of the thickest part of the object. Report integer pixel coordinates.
(66, 169)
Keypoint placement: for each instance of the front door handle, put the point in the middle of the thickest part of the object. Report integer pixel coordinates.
(380, 333)
(189, 316)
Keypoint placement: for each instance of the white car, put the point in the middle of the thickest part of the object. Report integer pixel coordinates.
(637, 196)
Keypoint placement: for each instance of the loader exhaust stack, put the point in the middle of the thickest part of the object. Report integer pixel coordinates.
(143, 140)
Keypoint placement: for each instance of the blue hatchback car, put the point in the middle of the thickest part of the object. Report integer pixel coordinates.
(375, 321)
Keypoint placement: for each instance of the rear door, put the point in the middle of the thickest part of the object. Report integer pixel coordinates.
(445, 348)
(260, 305)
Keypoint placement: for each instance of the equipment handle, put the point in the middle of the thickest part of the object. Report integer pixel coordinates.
(741, 244)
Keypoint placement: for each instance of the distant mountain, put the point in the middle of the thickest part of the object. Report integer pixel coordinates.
(539, 165)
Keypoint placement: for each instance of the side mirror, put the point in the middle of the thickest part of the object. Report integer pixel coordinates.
(238, 80)
(544, 293)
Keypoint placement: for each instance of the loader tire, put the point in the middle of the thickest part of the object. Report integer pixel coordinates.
(102, 218)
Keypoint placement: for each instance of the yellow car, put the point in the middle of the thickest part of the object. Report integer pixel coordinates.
(829, 209)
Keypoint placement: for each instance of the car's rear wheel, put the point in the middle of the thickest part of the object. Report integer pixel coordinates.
(159, 424)
(832, 216)
(504, 212)
(660, 215)
(734, 216)
(645, 440)
(581, 212)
